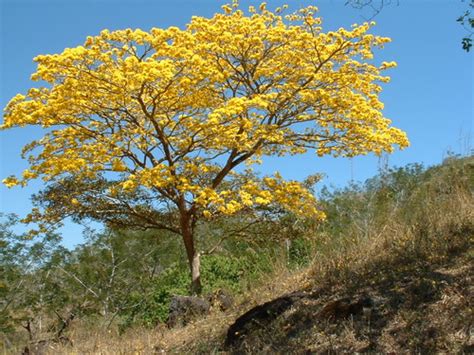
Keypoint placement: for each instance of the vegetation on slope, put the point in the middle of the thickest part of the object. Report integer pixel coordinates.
(403, 240)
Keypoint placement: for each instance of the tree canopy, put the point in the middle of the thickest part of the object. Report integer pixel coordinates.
(155, 125)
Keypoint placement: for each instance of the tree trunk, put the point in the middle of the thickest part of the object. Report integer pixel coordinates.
(194, 260)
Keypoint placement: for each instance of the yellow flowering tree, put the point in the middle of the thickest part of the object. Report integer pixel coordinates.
(151, 126)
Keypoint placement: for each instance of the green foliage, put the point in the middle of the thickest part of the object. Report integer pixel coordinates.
(419, 212)
(467, 21)
(300, 252)
(128, 278)
(27, 282)
(362, 205)
(218, 271)
(223, 272)
(151, 307)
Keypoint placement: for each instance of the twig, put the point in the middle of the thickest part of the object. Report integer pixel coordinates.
(79, 280)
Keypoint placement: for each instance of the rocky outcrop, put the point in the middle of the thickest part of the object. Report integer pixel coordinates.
(252, 319)
(184, 309)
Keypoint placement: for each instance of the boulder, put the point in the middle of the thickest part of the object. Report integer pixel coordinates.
(184, 309)
(258, 316)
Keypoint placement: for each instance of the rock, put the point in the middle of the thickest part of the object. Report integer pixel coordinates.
(222, 300)
(254, 318)
(184, 309)
(344, 308)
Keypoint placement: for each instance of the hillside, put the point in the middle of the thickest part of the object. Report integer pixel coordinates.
(390, 271)
(396, 307)
(409, 288)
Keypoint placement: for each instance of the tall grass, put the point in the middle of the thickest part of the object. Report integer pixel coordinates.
(402, 216)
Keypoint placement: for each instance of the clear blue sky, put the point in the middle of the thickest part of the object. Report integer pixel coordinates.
(430, 96)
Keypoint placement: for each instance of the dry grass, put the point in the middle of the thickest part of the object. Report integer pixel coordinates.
(411, 265)
(419, 269)
(208, 331)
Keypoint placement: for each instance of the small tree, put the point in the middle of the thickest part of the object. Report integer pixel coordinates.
(147, 129)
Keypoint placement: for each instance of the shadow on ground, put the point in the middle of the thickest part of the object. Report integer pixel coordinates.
(398, 307)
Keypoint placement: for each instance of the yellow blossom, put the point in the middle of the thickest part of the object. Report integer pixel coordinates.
(10, 181)
(177, 111)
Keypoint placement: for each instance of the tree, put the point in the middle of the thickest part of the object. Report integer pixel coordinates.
(29, 287)
(149, 129)
(466, 19)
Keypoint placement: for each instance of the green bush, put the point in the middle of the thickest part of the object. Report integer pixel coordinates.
(151, 308)
(222, 272)
(300, 253)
